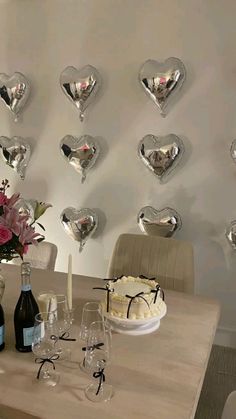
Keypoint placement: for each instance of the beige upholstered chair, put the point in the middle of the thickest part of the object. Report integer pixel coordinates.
(170, 260)
(229, 411)
(42, 256)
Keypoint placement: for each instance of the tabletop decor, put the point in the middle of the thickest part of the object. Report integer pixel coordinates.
(16, 153)
(81, 153)
(162, 81)
(16, 234)
(14, 92)
(80, 86)
(165, 222)
(161, 154)
(79, 224)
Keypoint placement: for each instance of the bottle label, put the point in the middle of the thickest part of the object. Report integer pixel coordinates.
(26, 287)
(2, 333)
(28, 335)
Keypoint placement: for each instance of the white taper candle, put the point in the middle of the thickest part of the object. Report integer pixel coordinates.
(69, 282)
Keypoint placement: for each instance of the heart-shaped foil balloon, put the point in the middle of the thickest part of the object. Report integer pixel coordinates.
(81, 153)
(16, 154)
(14, 92)
(162, 81)
(233, 151)
(80, 86)
(231, 234)
(161, 154)
(159, 223)
(26, 207)
(79, 224)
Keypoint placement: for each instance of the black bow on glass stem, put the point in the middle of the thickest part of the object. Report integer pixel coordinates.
(132, 298)
(99, 374)
(65, 336)
(91, 348)
(42, 361)
(108, 290)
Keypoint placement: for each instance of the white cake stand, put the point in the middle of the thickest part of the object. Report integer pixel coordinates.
(142, 330)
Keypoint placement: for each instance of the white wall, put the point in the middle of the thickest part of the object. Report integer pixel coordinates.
(41, 37)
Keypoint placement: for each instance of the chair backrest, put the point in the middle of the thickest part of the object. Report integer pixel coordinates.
(169, 260)
(229, 411)
(42, 256)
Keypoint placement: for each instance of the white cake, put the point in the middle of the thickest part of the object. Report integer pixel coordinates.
(148, 304)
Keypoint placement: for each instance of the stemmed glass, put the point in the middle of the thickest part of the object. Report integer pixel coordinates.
(98, 354)
(92, 311)
(64, 321)
(45, 337)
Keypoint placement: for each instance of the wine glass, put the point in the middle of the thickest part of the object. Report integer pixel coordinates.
(64, 321)
(92, 311)
(45, 337)
(98, 354)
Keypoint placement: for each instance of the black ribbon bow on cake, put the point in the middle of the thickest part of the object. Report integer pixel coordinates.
(108, 290)
(132, 298)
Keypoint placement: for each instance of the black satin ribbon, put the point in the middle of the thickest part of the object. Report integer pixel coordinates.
(108, 290)
(91, 348)
(42, 361)
(145, 277)
(132, 298)
(65, 336)
(114, 279)
(99, 374)
(158, 288)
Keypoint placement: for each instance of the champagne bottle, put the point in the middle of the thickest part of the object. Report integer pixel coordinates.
(2, 329)
(25, 312)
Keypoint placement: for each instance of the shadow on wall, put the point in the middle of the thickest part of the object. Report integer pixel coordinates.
(26, 33)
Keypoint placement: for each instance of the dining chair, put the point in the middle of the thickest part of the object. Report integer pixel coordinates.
(42, 256)
(229, 411)
(169, 260)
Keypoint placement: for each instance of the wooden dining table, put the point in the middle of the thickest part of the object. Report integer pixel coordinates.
(154, 376)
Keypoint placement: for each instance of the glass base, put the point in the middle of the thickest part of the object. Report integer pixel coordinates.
(49, 379)
(105, 394)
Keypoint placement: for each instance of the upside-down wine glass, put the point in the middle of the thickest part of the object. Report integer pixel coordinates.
(45, 337)
(98, 354)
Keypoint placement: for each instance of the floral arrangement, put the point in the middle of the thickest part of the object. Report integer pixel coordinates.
(17, 230)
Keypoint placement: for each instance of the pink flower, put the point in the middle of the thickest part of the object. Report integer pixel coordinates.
(11, 201)
(27, 234)
(26, 248)
(5, 234)
(3, 199)
(13, 220)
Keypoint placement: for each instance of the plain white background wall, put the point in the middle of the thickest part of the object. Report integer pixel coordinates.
(41, 37)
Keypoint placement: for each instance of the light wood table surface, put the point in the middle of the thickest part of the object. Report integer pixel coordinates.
(155, 376)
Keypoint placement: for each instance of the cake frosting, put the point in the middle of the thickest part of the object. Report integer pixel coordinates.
(133, 298)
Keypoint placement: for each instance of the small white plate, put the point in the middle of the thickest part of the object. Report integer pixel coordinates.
(134, 323)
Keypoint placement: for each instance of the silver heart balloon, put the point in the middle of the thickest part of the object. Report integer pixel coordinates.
(26, 207)
(230, 234)
(80, 86)
(14, 92)
(163, 222)
(79, 224)
(161, 154)
(16, 154)
(162, 81)
(81, 153)
(233, 150)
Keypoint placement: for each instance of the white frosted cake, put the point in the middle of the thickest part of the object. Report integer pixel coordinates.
(133, 298)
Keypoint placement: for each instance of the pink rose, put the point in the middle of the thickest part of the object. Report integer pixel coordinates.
(5, 234)
(3, 199)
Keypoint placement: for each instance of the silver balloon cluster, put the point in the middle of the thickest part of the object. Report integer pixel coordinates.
(14, 92)
(164, 222)
(81, 153)
(80, 86)
(161, 154)
(162, 81)
(15, 152)
(79, 224)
